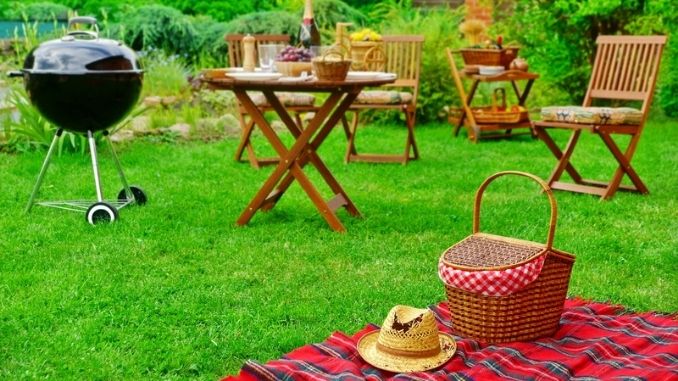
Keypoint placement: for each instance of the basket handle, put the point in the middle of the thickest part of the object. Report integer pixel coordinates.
(545, 187)
(502, 93)
(331, 53)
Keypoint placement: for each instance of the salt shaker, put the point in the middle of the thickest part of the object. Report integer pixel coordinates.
(248, 53)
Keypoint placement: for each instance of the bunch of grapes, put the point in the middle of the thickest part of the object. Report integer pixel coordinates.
(292, 54)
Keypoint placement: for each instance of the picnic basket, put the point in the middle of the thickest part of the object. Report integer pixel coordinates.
(489, 57)
(502, 289)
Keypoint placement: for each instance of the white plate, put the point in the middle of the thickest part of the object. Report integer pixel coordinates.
(254, 76)
(367, 75)
(490, 70)
(240, 70)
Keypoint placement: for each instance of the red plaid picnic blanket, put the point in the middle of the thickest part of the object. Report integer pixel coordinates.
(595, 341)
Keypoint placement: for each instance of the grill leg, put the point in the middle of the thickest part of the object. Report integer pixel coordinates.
(125, 184)
(95, 166)
(43, 170)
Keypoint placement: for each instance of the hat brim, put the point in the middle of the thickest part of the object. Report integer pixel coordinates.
(367, 347)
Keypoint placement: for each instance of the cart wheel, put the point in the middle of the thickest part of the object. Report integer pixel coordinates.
(138, 193)
(101, 212)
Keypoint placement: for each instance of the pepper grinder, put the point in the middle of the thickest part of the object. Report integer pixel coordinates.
(248, 53)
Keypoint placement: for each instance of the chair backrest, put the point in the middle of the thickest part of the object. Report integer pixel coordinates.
(403, 57)
(234, 43)
(625, 68)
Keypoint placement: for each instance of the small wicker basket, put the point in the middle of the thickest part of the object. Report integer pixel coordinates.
(527, 314)
(293, 69)
(331, 66)
(489, 115)
(490, 57)
(500, 113)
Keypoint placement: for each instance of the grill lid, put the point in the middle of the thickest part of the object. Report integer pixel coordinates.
(81, 52)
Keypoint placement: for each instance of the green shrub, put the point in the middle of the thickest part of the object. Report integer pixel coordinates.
(164, 75)
(222, 10)
(210, 39)
(558, 40)
(660, 18)
(39, 11)
(31, 131)
(439, 27)
(159, 27)
(327, 13)
(269, 22)
(197, 39)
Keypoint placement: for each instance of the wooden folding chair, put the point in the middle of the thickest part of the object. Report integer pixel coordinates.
(625, 69)
(297, 103)
(403, 57)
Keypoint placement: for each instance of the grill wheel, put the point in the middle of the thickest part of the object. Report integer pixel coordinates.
(101, 212)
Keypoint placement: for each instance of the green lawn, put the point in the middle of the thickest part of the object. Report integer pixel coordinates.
(174, 290)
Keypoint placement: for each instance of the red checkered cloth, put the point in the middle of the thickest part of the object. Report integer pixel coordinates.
(493, 282)
(595, 342)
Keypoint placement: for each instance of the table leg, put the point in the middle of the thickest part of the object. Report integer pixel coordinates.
(277, 144)
(310, 155)
(350, 132)
(290, 163)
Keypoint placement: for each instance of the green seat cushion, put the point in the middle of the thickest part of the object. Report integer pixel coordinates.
(592, 115)
(384, 97)
(287, 99)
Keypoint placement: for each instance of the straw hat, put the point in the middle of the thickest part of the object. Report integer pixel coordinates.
(408, 341)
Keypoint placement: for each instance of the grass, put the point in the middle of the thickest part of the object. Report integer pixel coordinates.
(175, 290)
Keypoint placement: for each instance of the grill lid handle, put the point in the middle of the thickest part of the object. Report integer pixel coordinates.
(93, 33)
(82, 20)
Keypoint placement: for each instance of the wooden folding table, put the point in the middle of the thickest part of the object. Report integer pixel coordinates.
(303, 150)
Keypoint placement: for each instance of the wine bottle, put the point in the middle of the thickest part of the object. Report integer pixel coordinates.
(308, 32)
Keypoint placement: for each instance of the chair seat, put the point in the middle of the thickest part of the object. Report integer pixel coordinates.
(592, 115)
(384, 97)
(287, 99)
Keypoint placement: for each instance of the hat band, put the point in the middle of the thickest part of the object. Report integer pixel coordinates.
(402, 352)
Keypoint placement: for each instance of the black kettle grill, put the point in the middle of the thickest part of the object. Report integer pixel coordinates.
(84, 84)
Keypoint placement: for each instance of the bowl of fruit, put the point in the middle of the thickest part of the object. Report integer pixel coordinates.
(293, 62)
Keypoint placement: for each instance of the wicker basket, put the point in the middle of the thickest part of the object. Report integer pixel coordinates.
(499, 113)
(331, 66)
(360, 52)
(527, 314)
(489, 114)
(293, 69)
(490, 57)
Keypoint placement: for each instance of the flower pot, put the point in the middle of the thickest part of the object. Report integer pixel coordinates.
(360, 51)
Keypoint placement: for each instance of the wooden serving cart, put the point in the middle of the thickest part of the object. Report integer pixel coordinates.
(501, 126)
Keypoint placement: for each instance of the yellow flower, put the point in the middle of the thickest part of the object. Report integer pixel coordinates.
(365, 35)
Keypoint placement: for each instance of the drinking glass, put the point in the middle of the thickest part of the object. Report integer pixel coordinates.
(267, 54)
